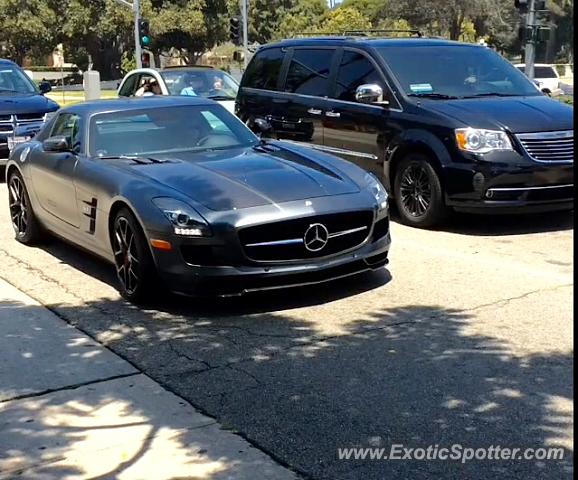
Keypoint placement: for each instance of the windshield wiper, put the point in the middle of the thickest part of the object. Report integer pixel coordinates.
(135, 158)
(441, 96)
(492, 94)
(221, 97)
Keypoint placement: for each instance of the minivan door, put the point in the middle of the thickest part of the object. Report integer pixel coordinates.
(306, 88)
(359, 132)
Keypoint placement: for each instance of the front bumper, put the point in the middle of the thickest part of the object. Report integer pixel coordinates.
(228, 280)
(509, 183)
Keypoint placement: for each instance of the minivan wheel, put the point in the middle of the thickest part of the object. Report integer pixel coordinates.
(418, 193)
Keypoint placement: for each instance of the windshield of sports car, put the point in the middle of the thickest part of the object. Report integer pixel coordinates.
(13, 80)
(206, 83)
(163, 131)
(460, 71)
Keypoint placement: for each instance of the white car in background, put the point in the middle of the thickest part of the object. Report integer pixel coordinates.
(545, 76)
(201, 81)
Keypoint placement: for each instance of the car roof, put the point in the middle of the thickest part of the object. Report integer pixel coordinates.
(134, 103)
(369, 41)
(5, 61)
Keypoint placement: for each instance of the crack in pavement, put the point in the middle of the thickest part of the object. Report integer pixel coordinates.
(73, 386)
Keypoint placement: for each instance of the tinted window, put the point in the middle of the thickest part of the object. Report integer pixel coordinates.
(309, 72)
(354, 70)
(129, 86)
(67, 125)
(158, 131)
(544, 72)
(461, 71)
(264, 69)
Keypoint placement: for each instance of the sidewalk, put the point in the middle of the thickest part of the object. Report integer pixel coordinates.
(71, 409)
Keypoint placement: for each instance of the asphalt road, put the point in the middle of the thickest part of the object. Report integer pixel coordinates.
(465, 339)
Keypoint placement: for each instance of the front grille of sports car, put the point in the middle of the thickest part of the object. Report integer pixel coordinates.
(285, 240)
(549, 146)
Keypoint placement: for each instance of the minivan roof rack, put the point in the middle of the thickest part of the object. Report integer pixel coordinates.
(359, 33)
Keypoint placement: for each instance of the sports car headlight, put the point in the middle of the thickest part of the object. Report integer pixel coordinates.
(185, 219)
(476, 140)
(377, 190)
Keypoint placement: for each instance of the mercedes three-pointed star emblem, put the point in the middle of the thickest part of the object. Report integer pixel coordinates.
(316, 237)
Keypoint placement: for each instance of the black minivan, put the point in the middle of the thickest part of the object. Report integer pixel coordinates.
(446, 125)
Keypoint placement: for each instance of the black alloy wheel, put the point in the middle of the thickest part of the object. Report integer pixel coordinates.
(132, 258)
(418, 193)
(415, 190)
(26, 227)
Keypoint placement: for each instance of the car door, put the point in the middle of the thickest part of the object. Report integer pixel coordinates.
(360, 131)
(306, 88)
(53, 172)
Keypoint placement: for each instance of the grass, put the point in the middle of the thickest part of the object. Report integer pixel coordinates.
(569, 99)
(64, 98)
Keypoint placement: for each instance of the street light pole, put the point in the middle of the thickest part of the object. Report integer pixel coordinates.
(245, 33)
(137, 48)
(530, 50)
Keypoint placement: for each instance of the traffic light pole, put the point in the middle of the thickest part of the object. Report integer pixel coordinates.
(137, 47)
(530, 50)
(245, 33)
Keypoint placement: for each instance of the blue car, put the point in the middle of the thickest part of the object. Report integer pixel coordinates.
(23, 107)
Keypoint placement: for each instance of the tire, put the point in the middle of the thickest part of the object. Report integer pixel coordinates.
(27, 228)
(135, 269)
(418, 193)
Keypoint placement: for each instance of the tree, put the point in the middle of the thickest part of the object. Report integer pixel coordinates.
(265, 17)
(27, 28)
(305, 16)
(344, 19)
(377, 11)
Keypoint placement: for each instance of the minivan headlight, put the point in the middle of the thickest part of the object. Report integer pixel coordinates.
(477, 140)
(185, 219)
(377, 189)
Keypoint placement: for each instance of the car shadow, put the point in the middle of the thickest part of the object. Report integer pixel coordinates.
(503, 224)
(257, 302)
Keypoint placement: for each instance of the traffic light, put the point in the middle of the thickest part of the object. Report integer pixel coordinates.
(235, 30)
(521, 5)
(146, 60)
(144, 33)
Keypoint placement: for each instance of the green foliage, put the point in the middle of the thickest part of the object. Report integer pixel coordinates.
(27, 28)
(343, 19)
(127, 62)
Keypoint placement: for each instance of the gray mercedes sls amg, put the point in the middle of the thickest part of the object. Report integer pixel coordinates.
(177, 192)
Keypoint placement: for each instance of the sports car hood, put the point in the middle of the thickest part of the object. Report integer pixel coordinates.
(518, 114)
(25, 103)
(243, 178)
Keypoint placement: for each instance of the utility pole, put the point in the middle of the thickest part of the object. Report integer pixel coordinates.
(530, 50)
(245, 33)
(137, 47)
(135, 6)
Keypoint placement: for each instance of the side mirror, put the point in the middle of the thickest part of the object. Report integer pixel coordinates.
(58, 143)
(262, 127)
(370, 93)
(45, 87)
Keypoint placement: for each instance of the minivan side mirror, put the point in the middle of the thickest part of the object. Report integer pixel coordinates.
(370, 93)
(45, 87)
(58, 143)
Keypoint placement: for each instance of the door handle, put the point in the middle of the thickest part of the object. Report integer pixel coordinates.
(333, 114)
(314, 111)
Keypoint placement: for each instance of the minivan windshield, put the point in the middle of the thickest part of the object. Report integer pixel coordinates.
(167, 130)
(456, 71)
(14, 80)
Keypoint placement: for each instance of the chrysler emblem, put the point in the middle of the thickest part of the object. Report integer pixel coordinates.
(316, 237)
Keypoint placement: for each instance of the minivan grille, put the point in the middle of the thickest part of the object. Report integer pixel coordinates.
(549, 146)
(285, 240)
